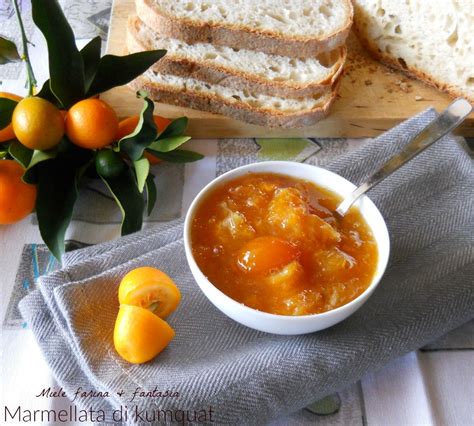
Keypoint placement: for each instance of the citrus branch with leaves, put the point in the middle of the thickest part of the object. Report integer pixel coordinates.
(58, 163)
(31, 80)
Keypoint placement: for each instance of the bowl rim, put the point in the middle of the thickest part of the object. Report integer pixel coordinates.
(382, 261)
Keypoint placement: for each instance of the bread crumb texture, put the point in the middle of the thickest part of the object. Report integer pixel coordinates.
(308, 18)
(429, 39)
(254, 100)
(274, 68)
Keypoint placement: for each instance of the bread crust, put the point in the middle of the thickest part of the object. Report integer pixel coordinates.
(411, 72)
(237, 110)
(238, 36)
(224, 76)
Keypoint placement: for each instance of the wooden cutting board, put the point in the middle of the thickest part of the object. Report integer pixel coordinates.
(372, 98)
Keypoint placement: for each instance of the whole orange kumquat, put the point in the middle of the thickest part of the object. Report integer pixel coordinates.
(17, 199)
(91, 124)
(37, 123)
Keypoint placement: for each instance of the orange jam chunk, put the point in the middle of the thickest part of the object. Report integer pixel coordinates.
(289, 215)
(274, 243)
(264, 254)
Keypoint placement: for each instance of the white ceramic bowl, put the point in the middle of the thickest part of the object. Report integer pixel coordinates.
(283, 324)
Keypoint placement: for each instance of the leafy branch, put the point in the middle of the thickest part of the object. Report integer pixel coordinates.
(25, 57)
(124, 165)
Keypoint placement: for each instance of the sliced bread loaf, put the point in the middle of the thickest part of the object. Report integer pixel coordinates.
(239, 68)
(242, 105)
(295, 28)
(429, 40)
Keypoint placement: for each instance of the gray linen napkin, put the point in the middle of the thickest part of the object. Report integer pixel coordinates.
(249, 377)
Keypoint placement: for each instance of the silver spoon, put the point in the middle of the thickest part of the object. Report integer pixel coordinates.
(448, 120)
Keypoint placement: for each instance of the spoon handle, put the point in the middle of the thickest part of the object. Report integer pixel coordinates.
(448, 120)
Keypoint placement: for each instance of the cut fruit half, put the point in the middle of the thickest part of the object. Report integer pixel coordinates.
(150, 288)
(139, 335)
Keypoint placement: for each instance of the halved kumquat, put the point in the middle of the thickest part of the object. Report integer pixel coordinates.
(140, 335)
(151, 289)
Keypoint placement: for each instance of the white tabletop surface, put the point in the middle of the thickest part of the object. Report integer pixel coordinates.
(432, 386)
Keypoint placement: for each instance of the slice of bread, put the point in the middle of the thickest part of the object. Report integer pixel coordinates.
(295, 28)
(430, 40)
(239, 68)
(263, 110)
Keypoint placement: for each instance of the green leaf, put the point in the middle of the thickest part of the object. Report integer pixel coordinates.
(57, 193)
(8, 52)
(286, 148)
(151, 194)
(143, 135)
(119, 70)
(38, 157)
(46, 93)
(142, 168)
(168, 144)
(66, 67)
(177, 156)
(20, 153)
(175, 128)
(125, 192)
(6, 111)
(57, 173)
(91, 56)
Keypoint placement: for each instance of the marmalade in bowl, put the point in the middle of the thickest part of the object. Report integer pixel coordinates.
(274, 243)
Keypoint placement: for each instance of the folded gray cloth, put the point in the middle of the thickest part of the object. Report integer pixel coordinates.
(249, 377)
